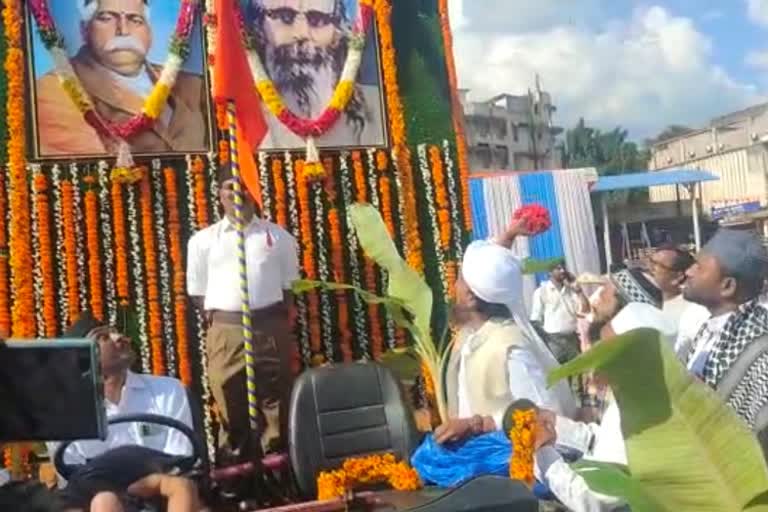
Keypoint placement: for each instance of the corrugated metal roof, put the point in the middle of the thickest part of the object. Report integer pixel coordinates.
(651, 179)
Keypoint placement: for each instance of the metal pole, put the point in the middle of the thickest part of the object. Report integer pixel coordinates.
(606, 232)
(250, 369)
(694, 190)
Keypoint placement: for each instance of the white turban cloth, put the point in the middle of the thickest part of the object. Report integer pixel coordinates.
(495, 276)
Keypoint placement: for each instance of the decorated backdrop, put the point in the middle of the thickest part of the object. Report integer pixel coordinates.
(90, 234)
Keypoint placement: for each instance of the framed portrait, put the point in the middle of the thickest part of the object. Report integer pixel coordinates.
(117, 50)
(303, 47)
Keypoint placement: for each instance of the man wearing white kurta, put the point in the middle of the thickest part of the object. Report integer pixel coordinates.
(498, 357)
(213, 281)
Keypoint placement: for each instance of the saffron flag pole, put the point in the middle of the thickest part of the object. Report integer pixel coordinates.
(233, 85)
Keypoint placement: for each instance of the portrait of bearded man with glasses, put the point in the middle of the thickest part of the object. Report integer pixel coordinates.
(304, 45)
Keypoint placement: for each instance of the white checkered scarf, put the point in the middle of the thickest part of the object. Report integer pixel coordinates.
(631, 290)
(747, 325)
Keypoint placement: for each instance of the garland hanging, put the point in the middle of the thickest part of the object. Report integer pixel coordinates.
(213, 183)
(80, 237)
(400, 149)
(70, 249)
(153, 288)
(281, 209)
(107, 255)
(37, 271)
(523, 437)
(308, 255)
(137, 266)
(431, 213)
(266, 192)
(179, 283)
(121, 245)
(61, 261)
(5, 303)
(354, 262)
(454, 207)
(323, 273)
(457, 112)
(154, 104)
(201, 193)
(94, 252)
(164, 269)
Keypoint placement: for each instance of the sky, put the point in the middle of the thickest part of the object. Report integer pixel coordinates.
(641, 65)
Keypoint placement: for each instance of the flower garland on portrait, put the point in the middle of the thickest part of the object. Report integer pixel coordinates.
(373, 469)
(154, 104)
(342, 94)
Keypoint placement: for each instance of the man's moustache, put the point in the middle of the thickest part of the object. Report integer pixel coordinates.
(123, 43)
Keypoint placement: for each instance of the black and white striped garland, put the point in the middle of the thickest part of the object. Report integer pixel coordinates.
(266, 192)
(359, 309)
(61, 269)
(37, 271)
(326, 313)
(82, 269)
(213, 184)
(137, 272)
(455, 204)
(108, 253)
(426, 175)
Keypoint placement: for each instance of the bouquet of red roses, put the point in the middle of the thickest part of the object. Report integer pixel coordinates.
(537, 219)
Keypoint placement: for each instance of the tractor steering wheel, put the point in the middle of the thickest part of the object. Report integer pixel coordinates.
(185, 464)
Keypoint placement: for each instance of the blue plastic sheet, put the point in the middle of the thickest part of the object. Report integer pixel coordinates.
(453, 464)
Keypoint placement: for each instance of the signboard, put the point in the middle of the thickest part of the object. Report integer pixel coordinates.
(734, 210)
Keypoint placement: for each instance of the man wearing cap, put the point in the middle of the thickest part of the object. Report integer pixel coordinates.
(130, 449)
(730, 351)
(213, 282)
(498, 356)
(113, 67)
(557, 303)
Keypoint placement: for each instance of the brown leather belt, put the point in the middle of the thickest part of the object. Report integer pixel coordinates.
(235, 317)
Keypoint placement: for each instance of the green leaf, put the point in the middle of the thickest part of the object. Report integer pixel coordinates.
(404, 363)
(534, 266)
(685, 447)
(405, 283)
(614, 480)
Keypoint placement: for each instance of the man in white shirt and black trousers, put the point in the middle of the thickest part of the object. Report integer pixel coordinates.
(213, 282)
(557, 303)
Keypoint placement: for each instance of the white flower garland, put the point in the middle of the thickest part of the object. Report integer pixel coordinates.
(200, 323)
(400, 202)
(108, 254)
(213, 184)
(354, 262)
(82, 269)
(138, 278)
(164, 267)
(301, 302)
(37, 271)
(426, 175)
(453, 199)
(61, 269)
(266, 193)
(322, 267)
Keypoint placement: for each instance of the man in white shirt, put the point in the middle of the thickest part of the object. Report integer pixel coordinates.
(126, 392)
(498, 357)
(213, 282)
(557, 304)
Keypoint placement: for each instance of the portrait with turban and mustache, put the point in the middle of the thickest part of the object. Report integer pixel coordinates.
(303, 45)
(117, 50)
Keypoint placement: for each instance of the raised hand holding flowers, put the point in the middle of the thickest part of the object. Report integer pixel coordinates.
(532, 219)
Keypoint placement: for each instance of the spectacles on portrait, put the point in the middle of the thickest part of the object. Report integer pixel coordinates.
(315, 18)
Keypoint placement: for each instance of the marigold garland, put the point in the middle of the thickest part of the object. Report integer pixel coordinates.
(94, 253)
(441, 196)
(281, 211)
(523, 436)
(201, 193)
(308, 255)
(153, 289)
(121, 245)
(70, 249)
(374, 469)
(457, 112)
(40, 187)
(412, 242)
(179, 283)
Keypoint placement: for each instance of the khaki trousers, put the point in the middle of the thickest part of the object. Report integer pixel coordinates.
(227, 376)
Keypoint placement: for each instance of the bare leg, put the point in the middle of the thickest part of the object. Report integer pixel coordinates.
(106, 502)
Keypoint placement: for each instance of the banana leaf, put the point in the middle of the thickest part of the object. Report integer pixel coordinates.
(687, 450)
(408, 299)
(534, 266)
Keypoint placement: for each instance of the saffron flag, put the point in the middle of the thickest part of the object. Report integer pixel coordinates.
(233, 82)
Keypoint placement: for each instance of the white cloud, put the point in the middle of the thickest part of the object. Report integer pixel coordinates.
(757, 59)
(643, 73)
(758, 11)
